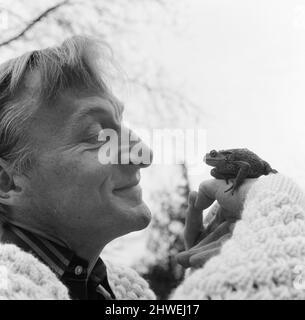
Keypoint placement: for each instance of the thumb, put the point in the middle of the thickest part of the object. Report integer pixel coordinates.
(193, 221)
(192, 199)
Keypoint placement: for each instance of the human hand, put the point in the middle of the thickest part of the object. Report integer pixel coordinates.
(204, 239)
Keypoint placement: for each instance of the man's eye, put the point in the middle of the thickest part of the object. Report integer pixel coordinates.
(92, 135)
(100, 137)
(106, 134)
(92, 140)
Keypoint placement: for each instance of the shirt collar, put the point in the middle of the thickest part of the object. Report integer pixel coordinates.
(70, 269)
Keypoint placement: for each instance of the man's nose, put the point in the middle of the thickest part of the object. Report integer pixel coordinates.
(139, 153)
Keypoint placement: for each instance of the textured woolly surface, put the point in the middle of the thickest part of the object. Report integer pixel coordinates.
(22, 276)
(268, 243)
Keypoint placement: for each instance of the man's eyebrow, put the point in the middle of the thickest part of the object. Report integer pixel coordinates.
(78, 118)
(83, 113)
(77, 121)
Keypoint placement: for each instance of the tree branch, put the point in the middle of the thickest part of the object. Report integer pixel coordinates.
(33, 22)
(166, 93)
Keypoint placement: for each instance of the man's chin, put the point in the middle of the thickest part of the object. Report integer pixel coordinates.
(131, 196)
(144, 216)
(133, 207)
(138, 218)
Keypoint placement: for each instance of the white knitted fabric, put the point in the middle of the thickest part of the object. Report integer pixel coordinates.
(260, 260)
(23, 277)
(127, 284)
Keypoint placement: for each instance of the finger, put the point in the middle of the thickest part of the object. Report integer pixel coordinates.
(193, 224)
(214, 189)
(213, 212)
(211, 245)
(184, 257)
(198, 260)
(221, 230)
(206, 194)
(208, 229)
(193, 221)
(219, 218)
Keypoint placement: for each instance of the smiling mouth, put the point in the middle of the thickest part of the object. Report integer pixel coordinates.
(128, 186)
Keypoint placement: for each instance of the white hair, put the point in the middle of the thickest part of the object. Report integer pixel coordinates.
(74, 64)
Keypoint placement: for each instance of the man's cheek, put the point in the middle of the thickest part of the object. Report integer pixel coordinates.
(57, 167)
(72, 168)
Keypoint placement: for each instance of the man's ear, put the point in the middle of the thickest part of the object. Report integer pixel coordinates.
(8, 189)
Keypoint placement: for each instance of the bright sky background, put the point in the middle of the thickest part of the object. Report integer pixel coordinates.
(244, 61)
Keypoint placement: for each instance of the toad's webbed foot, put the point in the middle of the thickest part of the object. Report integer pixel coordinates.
(244, 168)
(233, 188)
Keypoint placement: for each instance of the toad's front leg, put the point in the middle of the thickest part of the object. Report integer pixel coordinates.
(242, 174)
(217, 175)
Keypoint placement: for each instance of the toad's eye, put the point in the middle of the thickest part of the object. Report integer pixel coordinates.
(213, 153)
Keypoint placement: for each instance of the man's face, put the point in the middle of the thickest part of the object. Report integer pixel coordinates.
(69, 187)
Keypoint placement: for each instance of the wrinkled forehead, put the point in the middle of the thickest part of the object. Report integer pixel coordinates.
(72, 110)
(78, 104)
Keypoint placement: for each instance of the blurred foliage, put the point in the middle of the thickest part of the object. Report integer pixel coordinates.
(165, 239)
(135, 30)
